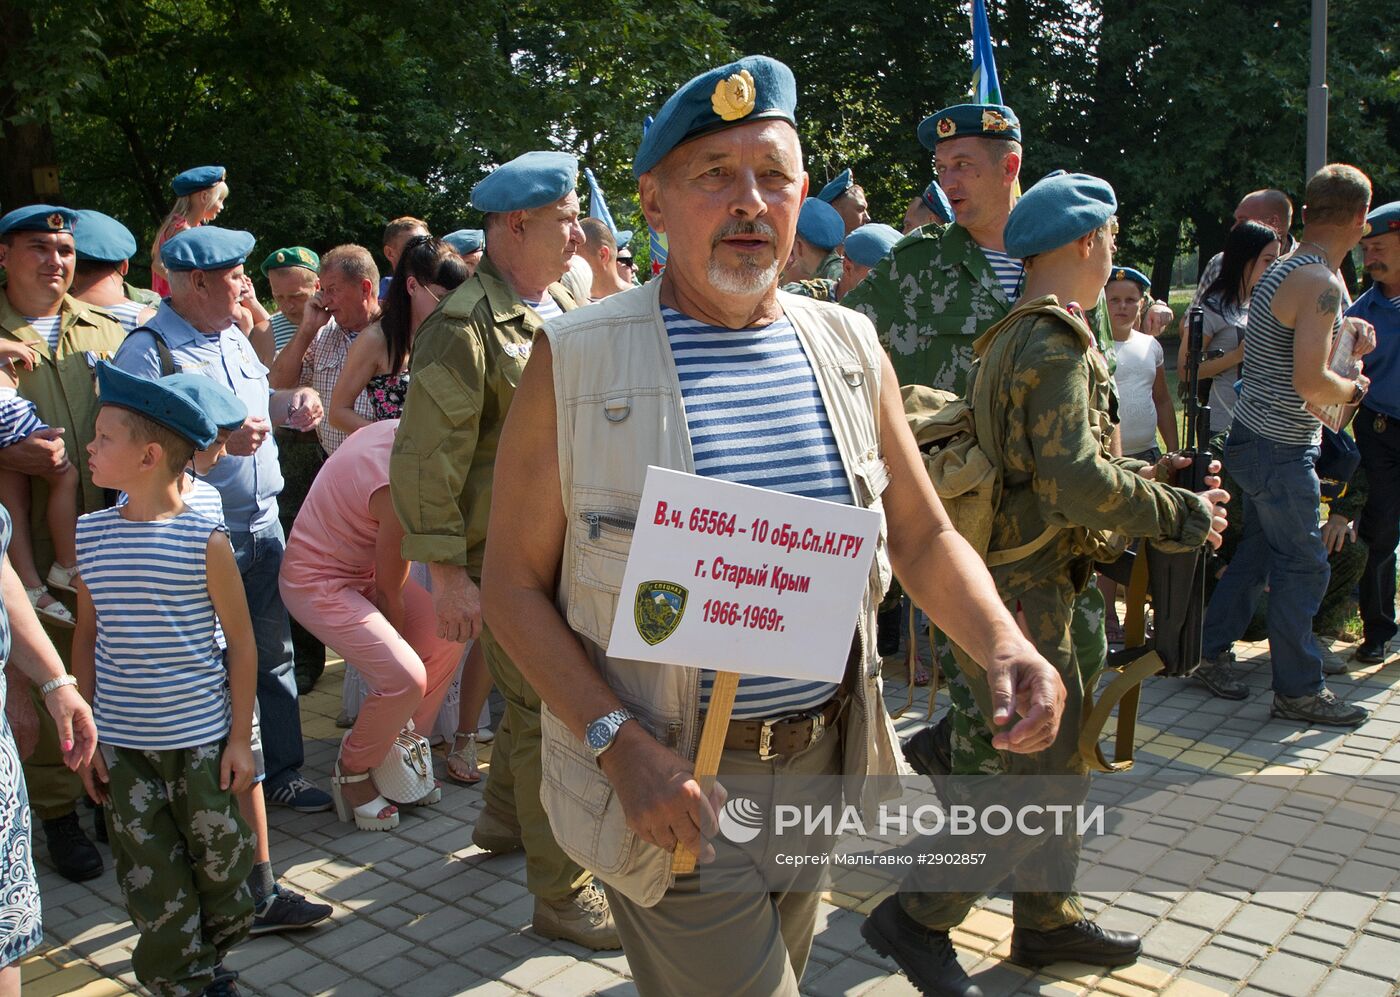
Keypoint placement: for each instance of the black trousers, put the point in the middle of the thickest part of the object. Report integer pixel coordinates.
(1380, 520)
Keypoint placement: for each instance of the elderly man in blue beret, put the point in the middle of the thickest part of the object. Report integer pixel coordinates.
(815, 252)
(104, 249)
(38, 255)
(196, 331)
(711, 369)
(848, 198)
(1044, 385)
(467, 360)
(1379, 441)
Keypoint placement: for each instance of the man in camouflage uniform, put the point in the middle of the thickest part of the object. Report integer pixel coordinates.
(1061, 486)
(864, 248)
(820, 231)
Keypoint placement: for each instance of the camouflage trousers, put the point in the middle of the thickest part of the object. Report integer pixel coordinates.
(183, 855)
(1067, 627)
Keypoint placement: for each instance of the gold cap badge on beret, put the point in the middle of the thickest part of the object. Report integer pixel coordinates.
(734, 97)
(994, 121)
(281, 256)
(56, 222)
(1121, 275)
(946, 127)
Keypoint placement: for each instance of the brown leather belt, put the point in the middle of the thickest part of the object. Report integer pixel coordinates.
(786, 735)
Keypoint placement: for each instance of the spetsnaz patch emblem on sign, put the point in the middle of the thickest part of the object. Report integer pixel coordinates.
(658, 610)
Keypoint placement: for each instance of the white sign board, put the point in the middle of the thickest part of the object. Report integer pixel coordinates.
(742, 579)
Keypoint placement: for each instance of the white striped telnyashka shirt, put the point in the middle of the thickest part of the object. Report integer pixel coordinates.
(125, 312)
(282, 330)
(161, 680)
(49, 327)
(1008, 270)
(756, 417)
(1269, 404)
(546, 308)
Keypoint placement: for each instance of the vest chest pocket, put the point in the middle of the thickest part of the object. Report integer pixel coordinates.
(602, 541)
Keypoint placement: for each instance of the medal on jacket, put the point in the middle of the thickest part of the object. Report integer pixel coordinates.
(1379, 424)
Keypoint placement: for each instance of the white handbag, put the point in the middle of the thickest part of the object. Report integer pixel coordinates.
(406, 774)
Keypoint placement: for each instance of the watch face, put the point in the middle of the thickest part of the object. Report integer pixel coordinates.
(599, 734)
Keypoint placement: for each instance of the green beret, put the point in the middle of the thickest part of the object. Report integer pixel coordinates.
(820, 224)
(1384, 219)
(1059, 209)
(837, 187)
(1136, 276)
(291, 256)
(529, 181)
(206, 247)
(156, 402)
(754, 88)
(962, 120)
(39, 218)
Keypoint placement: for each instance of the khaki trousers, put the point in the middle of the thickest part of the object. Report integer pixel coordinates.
(743, 943)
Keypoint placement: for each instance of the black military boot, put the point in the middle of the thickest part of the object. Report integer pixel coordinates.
(926, 957)
(930, 751)
(74, 856)
(1083, 941)
(1373, 652)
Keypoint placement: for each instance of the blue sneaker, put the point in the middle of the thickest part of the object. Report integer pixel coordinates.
(297, 793)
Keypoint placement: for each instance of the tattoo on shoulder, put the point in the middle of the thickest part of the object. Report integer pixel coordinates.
(1329, 301)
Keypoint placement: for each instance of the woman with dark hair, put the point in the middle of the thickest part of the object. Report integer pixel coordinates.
(1249, 250)
(377, 362)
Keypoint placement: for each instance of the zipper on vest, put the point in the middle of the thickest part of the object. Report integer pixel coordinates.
(597, 521)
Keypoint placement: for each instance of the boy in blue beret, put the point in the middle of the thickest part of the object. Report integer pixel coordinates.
(1044, 384)
(104, 249)
(164, 650)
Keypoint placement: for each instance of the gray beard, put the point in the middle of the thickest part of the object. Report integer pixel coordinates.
(745, 279)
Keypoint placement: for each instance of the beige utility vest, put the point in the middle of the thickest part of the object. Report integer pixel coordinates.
(619, 410)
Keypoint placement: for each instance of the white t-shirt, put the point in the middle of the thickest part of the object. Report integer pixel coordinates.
(1139, 357)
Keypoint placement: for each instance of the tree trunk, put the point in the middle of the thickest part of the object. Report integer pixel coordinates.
(23, 147)
(1163, 256)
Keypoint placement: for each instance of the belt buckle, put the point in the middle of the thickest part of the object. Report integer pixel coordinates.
(765, 740)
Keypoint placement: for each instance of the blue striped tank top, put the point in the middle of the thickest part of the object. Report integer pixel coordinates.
(1269, 404)
(161, 680)
(756, 417)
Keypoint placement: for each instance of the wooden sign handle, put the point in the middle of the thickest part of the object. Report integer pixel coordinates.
(708, 755)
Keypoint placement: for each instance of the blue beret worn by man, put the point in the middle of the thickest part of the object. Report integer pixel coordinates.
(198, 178)
(931, 207)
(848, 198)
(711, 369)
(104, 249)
(1043, 383)
(1377, 429)
(196, 332)
(467, 360)
(38, 218)
(820, 231)
(466, 241)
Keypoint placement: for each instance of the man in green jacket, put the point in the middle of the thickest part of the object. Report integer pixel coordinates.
(39, 258)
(1051, 437)
(467, 360)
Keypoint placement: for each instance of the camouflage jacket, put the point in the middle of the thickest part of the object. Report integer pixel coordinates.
(819, 288)
(931, 297)
(1053, 447)
(829, 268)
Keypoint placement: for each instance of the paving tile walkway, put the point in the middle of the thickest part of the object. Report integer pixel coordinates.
(424, 913)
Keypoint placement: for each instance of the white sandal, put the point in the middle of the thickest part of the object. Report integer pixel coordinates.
(466, 756)
(367, 816)
(55, 612)
(61, 577)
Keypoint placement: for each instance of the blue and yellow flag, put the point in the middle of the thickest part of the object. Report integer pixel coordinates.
(658, 239)
(986, 87)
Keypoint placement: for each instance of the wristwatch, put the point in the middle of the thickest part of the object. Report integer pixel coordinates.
(603, 732)
(54, 684)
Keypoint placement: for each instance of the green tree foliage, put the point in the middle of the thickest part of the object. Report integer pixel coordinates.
(336, 116)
